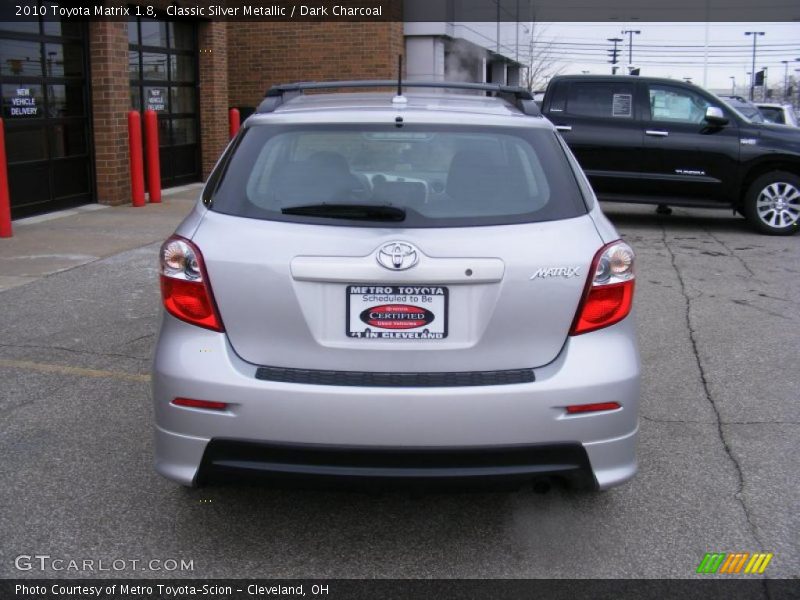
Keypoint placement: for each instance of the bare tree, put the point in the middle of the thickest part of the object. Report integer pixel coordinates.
(540, 60)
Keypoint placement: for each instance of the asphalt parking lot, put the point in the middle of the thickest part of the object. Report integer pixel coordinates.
(718, 450)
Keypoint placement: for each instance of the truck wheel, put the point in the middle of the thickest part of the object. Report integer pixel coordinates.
(772, 204)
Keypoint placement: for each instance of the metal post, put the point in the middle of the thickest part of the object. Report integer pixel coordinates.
(631, 33)
(5, 199)
(705, 52)
(498, 25)
(798, 85)
(753, 70)
(135, 158)
(785, 79)
(516, 27)
(613, 60)
(234, 121)
(153, 159)
(755, 35)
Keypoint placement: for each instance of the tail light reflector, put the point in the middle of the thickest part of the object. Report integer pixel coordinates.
(207, 404)
(597, 407)
(608, 296)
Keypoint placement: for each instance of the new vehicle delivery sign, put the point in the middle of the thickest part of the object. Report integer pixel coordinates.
(23, 104)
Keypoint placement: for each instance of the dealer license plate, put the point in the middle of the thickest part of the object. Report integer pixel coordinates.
(411, 312)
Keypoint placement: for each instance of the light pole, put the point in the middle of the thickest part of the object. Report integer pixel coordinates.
(755, 35)
(786, 85)
(498, 26)
(527, 31)
(614, 54)
(764, 88)
(733, 85)
(785, 64)
(798, 87)
(631, 33)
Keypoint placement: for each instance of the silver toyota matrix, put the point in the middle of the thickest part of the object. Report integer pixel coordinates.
(397, 287)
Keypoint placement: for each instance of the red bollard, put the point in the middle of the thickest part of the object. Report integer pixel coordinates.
(151, 148)
(5, 200)
(233, 121)
(135, 150)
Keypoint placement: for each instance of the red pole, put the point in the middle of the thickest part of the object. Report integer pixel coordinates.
(137, 168)
(151, 147)
(5, 202)
(233, 121)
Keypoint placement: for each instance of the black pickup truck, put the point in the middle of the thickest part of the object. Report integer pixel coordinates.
(666, 142)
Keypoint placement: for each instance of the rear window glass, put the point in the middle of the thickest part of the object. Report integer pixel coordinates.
(749, 111)
(440, 176)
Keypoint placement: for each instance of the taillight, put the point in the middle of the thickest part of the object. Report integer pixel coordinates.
(608, 296)
(185, 288)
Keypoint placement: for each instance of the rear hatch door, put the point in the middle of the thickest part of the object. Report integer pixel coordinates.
(318, 297)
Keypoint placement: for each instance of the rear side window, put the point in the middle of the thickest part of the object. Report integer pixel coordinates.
(608, 100)
(439, 175)
(558, 97)
(772, 114)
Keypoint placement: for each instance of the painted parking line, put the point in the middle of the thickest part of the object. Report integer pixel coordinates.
(74, 371)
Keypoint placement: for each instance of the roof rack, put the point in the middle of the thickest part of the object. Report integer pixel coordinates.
(518, 96)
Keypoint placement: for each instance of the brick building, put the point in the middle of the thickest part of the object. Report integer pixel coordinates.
(67, 87)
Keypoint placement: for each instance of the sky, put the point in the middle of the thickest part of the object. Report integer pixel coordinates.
(675, 50)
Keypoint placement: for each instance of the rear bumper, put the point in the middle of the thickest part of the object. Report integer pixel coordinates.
(235, 459)
(475, 426)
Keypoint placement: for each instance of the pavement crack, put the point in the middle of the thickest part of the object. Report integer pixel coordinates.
(76, 351)
(9, 411)
(761, 422)
(758, 308)
(739, 495)
(684, 422)
(141, 337)
(691, 422)
(731, 253)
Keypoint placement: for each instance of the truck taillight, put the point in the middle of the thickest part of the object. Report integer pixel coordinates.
(185, 289)
(608, 296)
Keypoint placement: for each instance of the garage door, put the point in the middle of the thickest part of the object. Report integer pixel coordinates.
(45, 109)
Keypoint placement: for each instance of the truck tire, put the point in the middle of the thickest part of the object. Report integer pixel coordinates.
(772, 203)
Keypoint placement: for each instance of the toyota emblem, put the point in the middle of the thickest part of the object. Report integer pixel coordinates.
(397, 256)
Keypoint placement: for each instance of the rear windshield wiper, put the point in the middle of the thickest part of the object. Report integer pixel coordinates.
(357, 212)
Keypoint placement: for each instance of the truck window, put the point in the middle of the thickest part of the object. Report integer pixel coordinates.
(558, 97)
(676, 104)
(600, 99)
